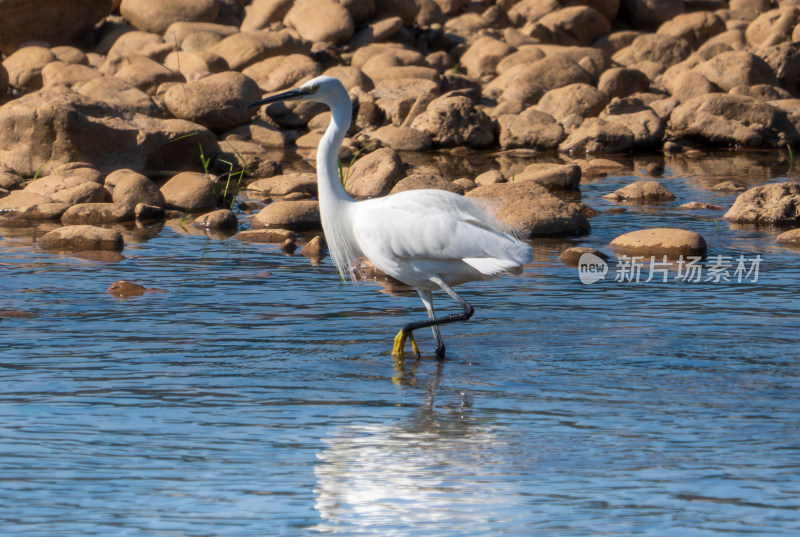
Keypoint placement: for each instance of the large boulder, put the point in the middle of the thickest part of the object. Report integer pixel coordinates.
(156, 15)
(737, 68)
(218, 102)
(55, 126)
(657, 242)
(725, 119)
(453, 121)
(80, 238)
(531, 210)
(53, 21)
(190, 192)
(375, 174)
(292, 215)
(321, 20)
(772, 204)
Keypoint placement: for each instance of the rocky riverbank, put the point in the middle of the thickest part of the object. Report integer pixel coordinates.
(135, 111)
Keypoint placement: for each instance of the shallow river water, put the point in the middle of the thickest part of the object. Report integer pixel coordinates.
(256, 395)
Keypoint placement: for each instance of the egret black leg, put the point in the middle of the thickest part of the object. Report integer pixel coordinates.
(427, 299)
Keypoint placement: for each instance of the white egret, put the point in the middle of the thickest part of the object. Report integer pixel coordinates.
(428, 239)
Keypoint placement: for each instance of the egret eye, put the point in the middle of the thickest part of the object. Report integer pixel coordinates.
(313, 89)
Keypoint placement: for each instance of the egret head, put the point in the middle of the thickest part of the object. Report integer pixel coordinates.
(322, 89)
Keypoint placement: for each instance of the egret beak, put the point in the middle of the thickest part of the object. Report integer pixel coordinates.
(285, 96)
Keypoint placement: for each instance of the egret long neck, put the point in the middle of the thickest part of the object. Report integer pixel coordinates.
(335, 205)
(330, 186)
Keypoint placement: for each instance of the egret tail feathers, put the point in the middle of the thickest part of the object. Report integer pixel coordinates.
(492, 266)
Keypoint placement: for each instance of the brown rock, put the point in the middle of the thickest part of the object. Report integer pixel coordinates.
(282, 185)
(375, 174)
(695, 27)
(132, 188)
(698, 205)
(582, 23)
(82, 238)
(294, 215)
(97, 213)
(531, 129)
(532, 210)
(119, 95)
(552, 72)
(691, 84)
(552, 176)
(86, 192)
(531, 10)
(490, 177)
(417, 181)
(148, 213)
(189, 192)
(596, 135)
(142, 72)
(621, 82)
(397, 98)
(125, 289)
(789, 238)
(51, 21)
(219, 219)
(260, 14)
(283, 72)
(725, 119)
(454, 120)
(321, 20)
(267, 236)
(397, 8)
(579, 99)
(664, 49)
(70, 127)
(572, 256)
(772, 204)
(246, 48)
(737, 68)
(218, 102)
(156, 17)
(645, 125)
(672, 242)
(377, 31)
(483, 55)
(24, 67)
(642, 192)
(773, 26)
(67, 74)
(784, 60)
(402, 138)
(314, 249)
(728, 186)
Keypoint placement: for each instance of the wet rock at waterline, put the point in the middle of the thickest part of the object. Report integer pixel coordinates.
(98, 213)
(670, 242)
(314, 249)
(293, 215)
(132, 188)
(789, 238)
(189, 192)
(642, 192)
(219, 219)
(773, 204)
(375, 174)
(266, 236)
(125, 289)
(82, 238)
(572, 256)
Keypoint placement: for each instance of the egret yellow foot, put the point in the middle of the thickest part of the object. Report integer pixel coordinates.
(400, 343)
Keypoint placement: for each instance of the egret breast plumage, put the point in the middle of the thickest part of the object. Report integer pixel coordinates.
(428, 239)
